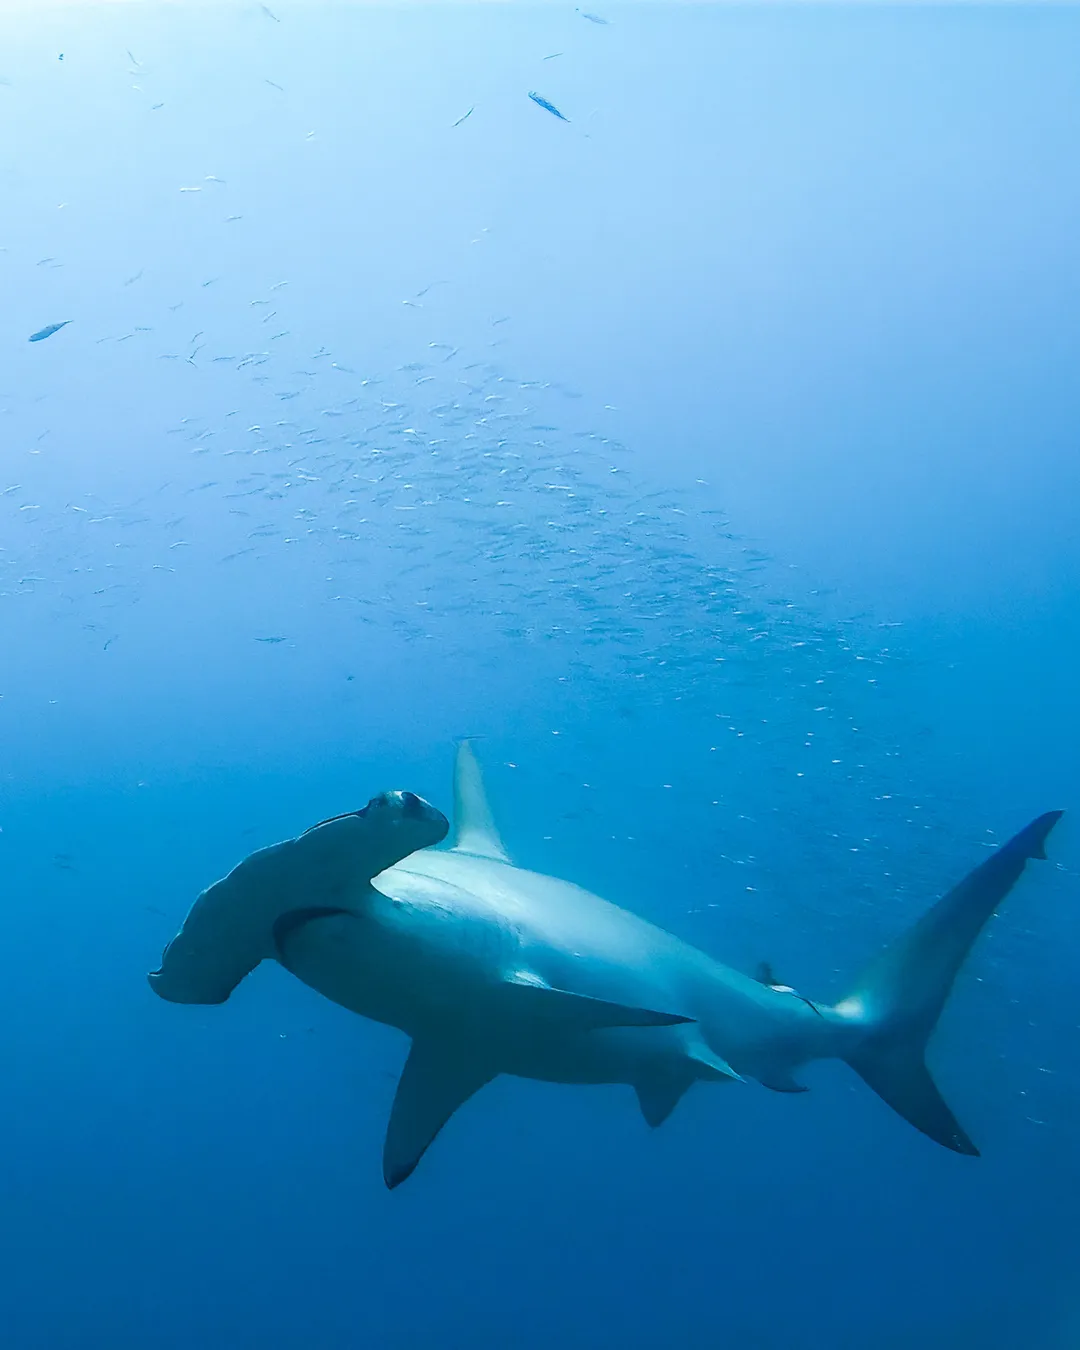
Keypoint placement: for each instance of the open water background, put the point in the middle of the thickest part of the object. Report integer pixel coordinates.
(712, 455)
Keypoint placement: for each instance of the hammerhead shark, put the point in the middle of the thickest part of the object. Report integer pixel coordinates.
(491, 969)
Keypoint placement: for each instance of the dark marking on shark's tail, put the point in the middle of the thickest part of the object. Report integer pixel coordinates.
(896, 1002)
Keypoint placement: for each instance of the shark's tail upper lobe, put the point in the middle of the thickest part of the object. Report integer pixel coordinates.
(896, 1002)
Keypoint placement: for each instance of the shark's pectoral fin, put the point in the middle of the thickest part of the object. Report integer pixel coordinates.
(536, 998)
(438, 1077)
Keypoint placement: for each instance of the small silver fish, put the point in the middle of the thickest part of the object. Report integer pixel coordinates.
(47, 331)
(548, 107)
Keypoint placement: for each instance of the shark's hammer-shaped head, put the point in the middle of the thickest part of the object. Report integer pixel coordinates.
(230, 928)
(395, 823)
(338, 857)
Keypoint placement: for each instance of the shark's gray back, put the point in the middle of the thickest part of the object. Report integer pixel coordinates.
(572, 937)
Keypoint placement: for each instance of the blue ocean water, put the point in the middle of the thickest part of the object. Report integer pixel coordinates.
(709, 453)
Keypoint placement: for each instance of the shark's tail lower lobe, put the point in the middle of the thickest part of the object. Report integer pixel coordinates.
(896, 1003)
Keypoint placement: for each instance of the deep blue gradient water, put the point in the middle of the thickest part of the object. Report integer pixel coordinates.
(713, 456)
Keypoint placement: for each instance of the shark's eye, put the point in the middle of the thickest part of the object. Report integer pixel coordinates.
(412, 804)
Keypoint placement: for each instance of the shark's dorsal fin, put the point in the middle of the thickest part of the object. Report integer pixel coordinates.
(474, 825)
(437, 1078)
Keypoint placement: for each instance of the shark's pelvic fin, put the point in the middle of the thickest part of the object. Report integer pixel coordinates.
(897, 1001)
(474, 825)
(660, 1093)
(437, 1078)
(537, 998)
(661, 1090)
(710, 1066)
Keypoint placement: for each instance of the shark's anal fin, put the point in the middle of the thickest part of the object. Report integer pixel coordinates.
(536, 998)
(439, 1075)
(474, 825)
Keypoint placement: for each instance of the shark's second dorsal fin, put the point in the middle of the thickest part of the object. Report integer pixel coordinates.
(474, 826)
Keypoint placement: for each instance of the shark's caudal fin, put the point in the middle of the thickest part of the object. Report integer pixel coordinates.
(474, 825)
(896, 1002)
